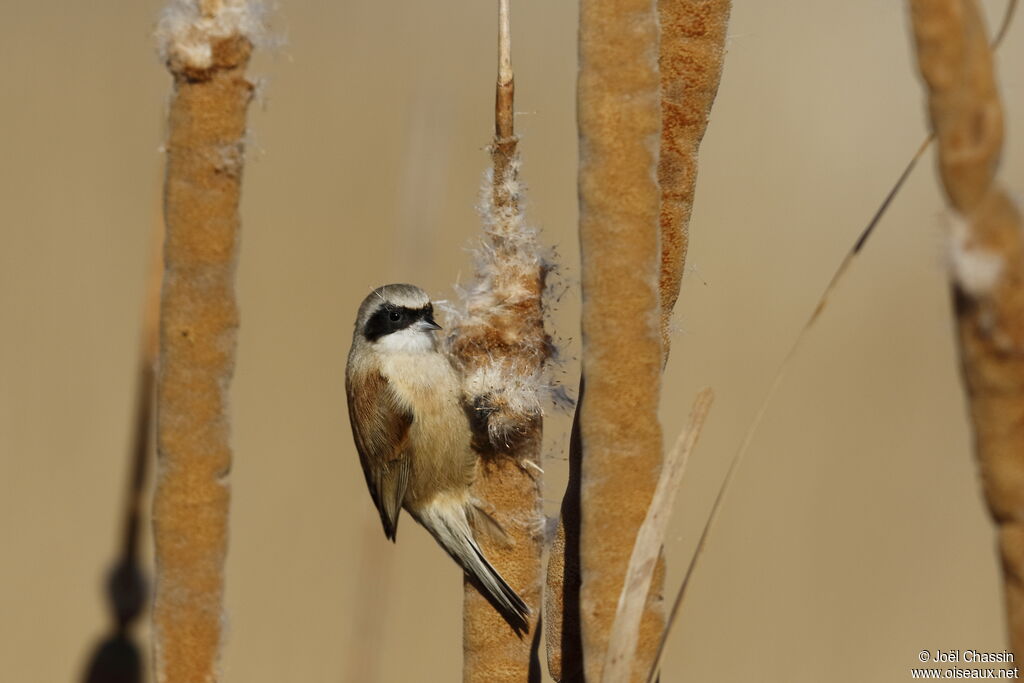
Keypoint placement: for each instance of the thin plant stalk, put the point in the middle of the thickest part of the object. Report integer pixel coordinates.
(207, 47)
(501, 347)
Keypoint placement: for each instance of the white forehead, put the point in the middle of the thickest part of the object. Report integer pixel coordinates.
(397, 295)
(407, 296)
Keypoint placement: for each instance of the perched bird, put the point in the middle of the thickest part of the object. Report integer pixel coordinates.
(413, 433)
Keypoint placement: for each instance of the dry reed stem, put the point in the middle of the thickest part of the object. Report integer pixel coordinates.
(501, 348)
(987, 264)
(619, 115)
(691, 55)
(649, 541)
(198, 326)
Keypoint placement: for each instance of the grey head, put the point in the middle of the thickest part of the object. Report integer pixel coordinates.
(398, 314)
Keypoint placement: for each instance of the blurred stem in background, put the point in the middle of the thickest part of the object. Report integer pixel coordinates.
(118, 659)
(207, 47)
(987, 264)
(615, 162)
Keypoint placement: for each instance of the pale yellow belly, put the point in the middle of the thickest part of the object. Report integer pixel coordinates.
(439, 437)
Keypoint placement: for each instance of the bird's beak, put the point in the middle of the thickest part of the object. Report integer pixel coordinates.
(428, 323)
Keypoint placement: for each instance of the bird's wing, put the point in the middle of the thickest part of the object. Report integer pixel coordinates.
(381, 429)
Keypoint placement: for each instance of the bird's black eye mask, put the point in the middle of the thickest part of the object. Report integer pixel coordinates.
(388, 319)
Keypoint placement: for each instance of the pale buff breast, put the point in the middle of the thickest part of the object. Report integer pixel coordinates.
(439, 437)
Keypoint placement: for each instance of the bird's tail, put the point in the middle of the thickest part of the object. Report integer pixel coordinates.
(448, 522)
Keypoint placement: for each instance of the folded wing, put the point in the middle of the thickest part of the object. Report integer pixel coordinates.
(381, 430)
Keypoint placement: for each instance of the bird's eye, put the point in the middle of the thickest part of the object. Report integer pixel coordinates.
(395, 316)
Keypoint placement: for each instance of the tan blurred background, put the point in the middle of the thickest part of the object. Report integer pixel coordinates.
(854, 536)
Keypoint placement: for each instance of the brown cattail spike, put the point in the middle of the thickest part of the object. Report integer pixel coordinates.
(207, 47)
(987, 264)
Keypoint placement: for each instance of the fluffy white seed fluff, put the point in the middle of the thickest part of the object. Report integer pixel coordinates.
(499, 276)
(512, 394)
(975, 268)
(521, 255)
(184, 34)
(512, 390)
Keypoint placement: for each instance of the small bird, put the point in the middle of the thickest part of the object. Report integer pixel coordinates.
(413, 433)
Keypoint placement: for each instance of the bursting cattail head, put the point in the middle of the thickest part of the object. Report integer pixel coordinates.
(498, 338)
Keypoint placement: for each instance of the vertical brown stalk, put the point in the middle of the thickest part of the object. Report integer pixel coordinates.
(619, 115)
(987, 264)
(207, 52)
(501, 347)
(690, 58)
